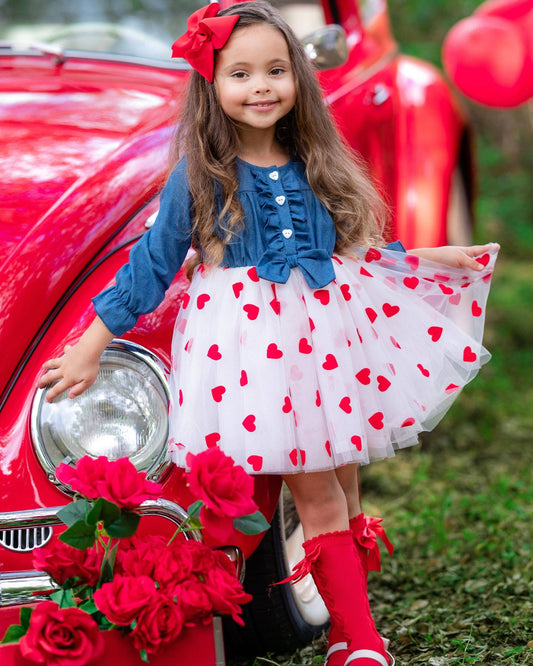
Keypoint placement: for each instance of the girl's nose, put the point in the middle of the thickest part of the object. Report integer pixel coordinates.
(262, 86)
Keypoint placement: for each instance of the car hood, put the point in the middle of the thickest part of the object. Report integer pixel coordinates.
(83, 146)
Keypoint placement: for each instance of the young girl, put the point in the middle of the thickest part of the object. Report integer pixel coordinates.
(303, 347)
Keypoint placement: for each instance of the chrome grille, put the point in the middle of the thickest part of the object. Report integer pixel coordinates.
(24, 540)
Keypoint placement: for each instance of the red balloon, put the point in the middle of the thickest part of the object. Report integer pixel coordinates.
(512, 10)
(487, 57)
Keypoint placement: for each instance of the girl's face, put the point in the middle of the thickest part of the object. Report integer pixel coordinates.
(254, 80)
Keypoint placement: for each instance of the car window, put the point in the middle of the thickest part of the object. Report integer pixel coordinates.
(140, 28)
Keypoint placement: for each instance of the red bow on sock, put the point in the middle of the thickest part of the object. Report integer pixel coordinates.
(205, 32)
(368, 539)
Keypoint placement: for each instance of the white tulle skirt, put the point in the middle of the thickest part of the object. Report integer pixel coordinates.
(285, 378)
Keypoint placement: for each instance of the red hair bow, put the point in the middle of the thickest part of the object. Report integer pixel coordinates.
(205, 32)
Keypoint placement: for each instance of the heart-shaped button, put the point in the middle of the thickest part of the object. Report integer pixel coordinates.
(280, 200)
(287, 233)
(274, 175)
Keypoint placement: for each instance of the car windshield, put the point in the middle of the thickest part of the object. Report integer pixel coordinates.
(131, 28)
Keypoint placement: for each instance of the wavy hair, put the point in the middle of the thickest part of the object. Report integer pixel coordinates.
(210, 140)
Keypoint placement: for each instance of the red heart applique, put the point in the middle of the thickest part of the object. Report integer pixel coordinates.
(411, 282)
(249, 423)
(273, 351)
(364, 272)
(287, 405)
(441, 277)
(346, 405)
(487, 278)
(304, 347)
(275, 305)
(251, 311)
(188, 345)
(244, 378)
(252, 274)
(217, 392)
(328, 447)
(202, 300)
(256, 462)
(337, 259)
(185, 301)
(318, 401)
(214, 353)
(376, 421)
(451, 388)
(468, 355)
(363, 376)
(293, 455)
(345, 289)
(412, 260)
(395, 342)
(476, 310)
(311, 324)
(181, 325)
(383, 383)
(455, 299)
(408, 422)
(330, 363)
(390, 310)
(371, 314)
(423, 370)
(435, 332)
(322, 295)
(212, 439)
(372, 255)
(237, 288)
(445, 289)
(180, 397)
(484, 259)
(357, 442)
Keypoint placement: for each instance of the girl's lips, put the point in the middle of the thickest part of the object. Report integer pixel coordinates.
(262, 106)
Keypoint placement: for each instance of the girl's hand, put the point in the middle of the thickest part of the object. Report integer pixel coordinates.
(75, 370)
(78, 368)
(456, 256)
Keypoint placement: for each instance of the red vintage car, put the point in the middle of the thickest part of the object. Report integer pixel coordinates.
(88, 103)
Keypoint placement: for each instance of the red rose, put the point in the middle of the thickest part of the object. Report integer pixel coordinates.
(138, 556)
(225, 489)
(160, 622)
(123, 599)
(61, 637)
(117, 481)
(84, 478)
(62, 562)
(173, 565)
(194, 600)
(224, 589)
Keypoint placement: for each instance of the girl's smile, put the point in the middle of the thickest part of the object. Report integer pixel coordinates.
(255, 85)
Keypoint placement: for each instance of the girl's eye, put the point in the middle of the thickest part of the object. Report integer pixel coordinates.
(239, 75)
(277, 71)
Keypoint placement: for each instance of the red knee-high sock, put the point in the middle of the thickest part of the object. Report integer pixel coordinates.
(365, 532)
(340, 577)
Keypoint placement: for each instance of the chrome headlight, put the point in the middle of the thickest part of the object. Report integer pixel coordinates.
(123, 414)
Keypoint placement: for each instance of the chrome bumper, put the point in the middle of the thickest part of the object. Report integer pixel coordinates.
(24, 587)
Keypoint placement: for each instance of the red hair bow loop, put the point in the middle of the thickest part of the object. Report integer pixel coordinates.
(205, 32)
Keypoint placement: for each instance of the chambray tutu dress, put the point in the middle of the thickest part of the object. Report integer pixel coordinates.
(295, 359)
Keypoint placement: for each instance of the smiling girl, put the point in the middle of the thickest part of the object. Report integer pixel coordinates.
(303, 347)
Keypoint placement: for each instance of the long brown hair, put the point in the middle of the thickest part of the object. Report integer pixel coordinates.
(210, 141)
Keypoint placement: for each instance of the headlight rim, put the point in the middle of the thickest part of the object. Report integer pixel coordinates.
(159, 469)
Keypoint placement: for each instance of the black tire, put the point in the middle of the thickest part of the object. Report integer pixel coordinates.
(274, 621)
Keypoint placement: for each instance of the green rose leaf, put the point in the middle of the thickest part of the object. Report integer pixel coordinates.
(64, 598)
(253, 523)
(80, 535)
(125, 526)
(194, 509)
(13, 634)
(104, 510)
(89, 607)
(74, 512)
(25, 616)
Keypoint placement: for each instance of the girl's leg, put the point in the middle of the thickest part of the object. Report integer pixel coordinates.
(348, 477)
(334, 562)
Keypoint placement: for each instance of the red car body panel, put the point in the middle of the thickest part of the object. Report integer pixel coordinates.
(84, 152)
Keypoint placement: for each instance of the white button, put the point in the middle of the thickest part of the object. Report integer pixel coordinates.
(287, 233)
(280, 200)
(274, 175)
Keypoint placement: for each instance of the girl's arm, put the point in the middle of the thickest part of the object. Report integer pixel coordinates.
(454, 255)
(78, 367)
